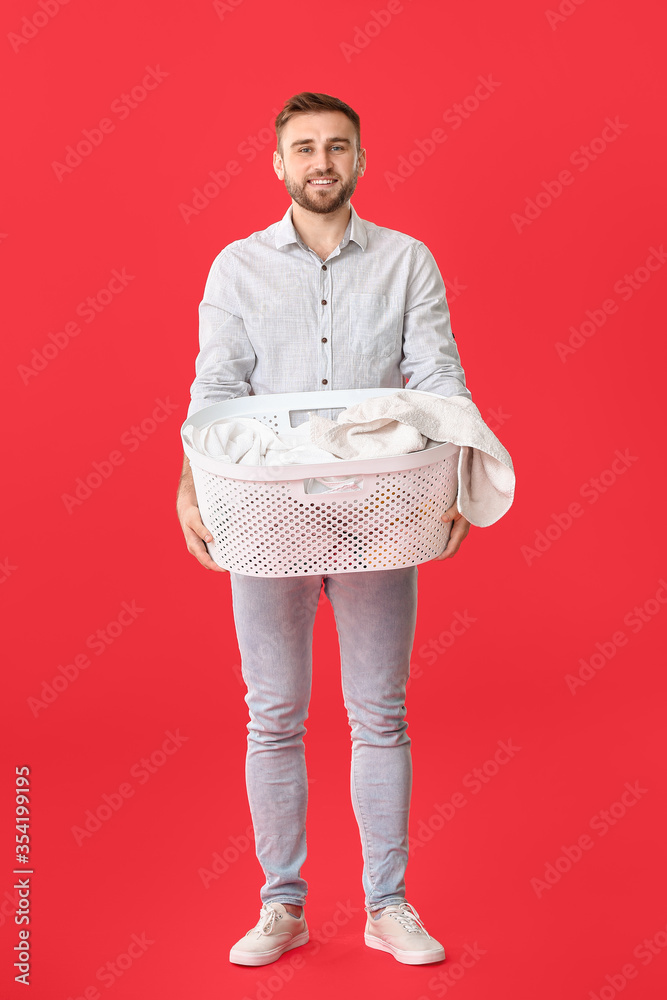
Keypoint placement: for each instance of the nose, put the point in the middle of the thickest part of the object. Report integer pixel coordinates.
(323, 160)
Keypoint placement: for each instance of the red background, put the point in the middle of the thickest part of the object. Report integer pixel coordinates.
(514, 297)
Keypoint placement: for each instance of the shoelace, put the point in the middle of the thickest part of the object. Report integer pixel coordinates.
(408, 917)
(269, 915)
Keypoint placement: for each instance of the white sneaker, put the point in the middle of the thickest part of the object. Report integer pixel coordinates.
(276, 932)
(400, 932)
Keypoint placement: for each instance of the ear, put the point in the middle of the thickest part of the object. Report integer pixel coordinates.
(278, 165)
(362, 162)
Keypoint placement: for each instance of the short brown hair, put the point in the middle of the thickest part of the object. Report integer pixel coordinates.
(309, 103)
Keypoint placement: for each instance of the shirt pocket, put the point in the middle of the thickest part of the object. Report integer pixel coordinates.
(375, 324)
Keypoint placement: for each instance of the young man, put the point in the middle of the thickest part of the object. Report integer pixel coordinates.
(324, 300)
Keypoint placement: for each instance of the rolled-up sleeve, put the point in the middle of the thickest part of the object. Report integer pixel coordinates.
(431, 359)
(226, 357)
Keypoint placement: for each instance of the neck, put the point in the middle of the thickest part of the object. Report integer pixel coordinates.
(321, 231)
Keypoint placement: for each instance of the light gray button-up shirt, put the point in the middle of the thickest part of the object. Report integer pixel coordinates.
(276, 318)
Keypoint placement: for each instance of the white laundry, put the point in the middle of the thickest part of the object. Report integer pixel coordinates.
(247, 441)
(381, 426)
(405, 421)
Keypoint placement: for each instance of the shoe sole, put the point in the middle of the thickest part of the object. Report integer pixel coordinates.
(406, 957)
(265, 958)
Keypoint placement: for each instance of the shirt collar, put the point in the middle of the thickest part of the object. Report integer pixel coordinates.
(286, 233)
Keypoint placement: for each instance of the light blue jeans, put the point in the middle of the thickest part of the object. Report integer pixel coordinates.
(375, 616)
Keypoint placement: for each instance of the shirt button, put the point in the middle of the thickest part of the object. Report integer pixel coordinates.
(324, 267)
(325, 381)
(324, 340)
(324, 302)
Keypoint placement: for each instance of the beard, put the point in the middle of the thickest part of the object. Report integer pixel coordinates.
(321, 201)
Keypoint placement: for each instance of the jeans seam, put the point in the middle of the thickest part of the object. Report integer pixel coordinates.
(366, 838)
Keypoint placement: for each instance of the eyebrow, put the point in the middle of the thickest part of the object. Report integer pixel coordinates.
(303, 142)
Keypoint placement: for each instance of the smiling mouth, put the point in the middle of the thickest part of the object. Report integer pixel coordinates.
(323, 182)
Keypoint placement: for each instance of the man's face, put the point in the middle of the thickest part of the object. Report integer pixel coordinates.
(320, 147)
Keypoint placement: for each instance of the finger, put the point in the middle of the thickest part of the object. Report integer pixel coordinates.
(459, 531)
(197, 548)
(452, 513)
(194, 522)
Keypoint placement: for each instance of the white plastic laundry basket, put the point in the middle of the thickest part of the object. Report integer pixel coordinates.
(279, 520)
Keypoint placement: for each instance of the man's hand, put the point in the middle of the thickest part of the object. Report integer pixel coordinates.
(460, 529)
(188, 514)
(195, 535)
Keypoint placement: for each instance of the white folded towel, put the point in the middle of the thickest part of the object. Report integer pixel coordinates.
(404, 421)
(381, 426)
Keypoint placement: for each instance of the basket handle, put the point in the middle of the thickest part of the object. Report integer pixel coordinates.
(308, 410)
(312, 488)
(345, 485)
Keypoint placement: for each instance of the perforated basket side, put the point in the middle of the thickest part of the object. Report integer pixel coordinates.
(273, 529)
